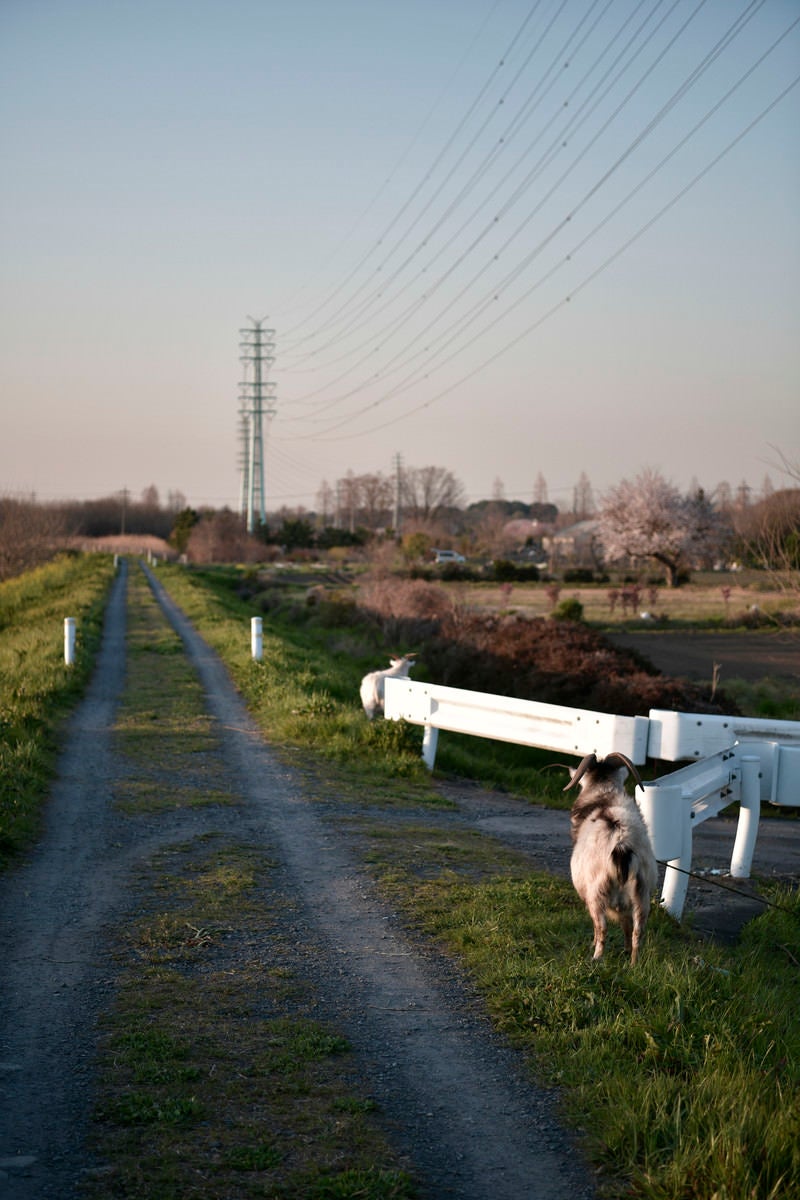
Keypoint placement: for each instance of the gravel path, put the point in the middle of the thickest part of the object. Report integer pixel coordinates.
(456, 1097)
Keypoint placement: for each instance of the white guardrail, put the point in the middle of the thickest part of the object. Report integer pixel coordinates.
(732, 759)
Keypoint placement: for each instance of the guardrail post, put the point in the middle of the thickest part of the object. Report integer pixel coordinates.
(69, 640)
(664, 811)
(430, 740)
(749, 813)
(256, 638)
(676, 881)
(667, 815)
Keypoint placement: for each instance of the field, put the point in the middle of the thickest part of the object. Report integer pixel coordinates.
(709, 600)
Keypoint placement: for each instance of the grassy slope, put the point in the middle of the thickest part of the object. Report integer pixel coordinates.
(36, 689)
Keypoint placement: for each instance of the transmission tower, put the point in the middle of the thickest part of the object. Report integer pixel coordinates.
(256, 401)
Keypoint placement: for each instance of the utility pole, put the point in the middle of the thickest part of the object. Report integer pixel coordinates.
(256, 401)
(398, 488)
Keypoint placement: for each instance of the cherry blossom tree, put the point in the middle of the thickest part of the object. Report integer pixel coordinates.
(649, 518)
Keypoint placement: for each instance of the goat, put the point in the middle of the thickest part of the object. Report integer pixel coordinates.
(613, 867)
(372, 685)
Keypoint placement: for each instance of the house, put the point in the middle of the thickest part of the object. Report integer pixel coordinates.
(576, 546)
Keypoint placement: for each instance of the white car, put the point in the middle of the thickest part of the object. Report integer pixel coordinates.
(449, 556)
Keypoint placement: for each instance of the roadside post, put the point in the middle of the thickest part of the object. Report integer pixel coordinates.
(69, 640)
(256, 638)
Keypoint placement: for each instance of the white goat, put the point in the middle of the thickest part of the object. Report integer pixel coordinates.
(372, 685)
(613, 867)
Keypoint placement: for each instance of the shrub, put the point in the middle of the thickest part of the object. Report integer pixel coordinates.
(569, 610)
(457, 572)
(505, 571)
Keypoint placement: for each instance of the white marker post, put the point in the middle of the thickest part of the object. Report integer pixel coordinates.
(69, 640)
(256, 638)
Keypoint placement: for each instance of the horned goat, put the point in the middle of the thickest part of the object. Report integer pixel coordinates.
(613, 867)
(373, 684)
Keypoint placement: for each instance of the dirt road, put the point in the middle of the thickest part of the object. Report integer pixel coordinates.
(455, 1097)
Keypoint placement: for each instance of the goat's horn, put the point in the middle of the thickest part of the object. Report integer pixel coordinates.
(590, 760)
(627, 762)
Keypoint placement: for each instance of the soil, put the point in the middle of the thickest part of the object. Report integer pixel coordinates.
(456, 1098)
(749, 656)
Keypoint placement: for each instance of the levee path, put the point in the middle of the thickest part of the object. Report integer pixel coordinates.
(455, 1099)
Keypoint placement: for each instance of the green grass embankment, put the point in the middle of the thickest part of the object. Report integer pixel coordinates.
(37, 690)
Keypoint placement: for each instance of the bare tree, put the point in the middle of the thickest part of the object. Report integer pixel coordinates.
(176, 501)
(30, 534)
(583, 498)
(427, 491)
(771, 537)
(648, 518)
(326, 504)
(221, 537)
(348, 490)
(375, 494)
(724, 496)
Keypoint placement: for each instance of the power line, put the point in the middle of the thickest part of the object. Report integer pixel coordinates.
(392, 174)
(440, 157)
(459, 326)
(582, 285)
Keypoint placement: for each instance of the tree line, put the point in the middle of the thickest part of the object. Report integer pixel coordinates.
(644, 521)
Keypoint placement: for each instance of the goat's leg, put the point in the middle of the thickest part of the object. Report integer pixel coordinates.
(641, 911)
(627, 923)
(598, 915)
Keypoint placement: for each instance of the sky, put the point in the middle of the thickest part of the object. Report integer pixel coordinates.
(509, 238)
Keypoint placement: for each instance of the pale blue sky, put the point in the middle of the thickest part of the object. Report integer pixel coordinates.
(379, 178)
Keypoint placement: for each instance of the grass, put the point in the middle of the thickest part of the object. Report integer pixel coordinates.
(769, 698)
(37, 691)
(180, 767)
(683, 1074)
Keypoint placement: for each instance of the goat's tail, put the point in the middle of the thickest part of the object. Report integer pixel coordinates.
(622, 856)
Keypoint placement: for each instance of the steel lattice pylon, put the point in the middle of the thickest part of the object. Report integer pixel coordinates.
(256, 401)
